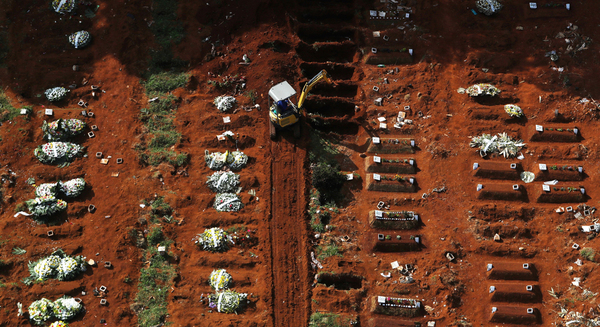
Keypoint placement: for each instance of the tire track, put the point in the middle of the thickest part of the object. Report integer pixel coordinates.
(288, 229)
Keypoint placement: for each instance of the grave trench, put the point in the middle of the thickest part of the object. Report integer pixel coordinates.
(339, 52)
(343, 90)
(326, 14)
(342, 282)
(327, 107)
(311, 33)
(334, 71)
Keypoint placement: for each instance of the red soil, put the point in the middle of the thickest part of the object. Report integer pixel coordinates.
(451, 48)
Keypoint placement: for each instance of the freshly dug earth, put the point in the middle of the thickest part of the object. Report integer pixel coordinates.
(452, 49)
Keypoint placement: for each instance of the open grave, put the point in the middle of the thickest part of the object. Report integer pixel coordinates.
(335, 52)
(321, 33)
(340, 281)
(391, 145)
(395, 243)
(391, 183)
(541, 133)
(526, 293)
(515, 315)
(393, 219)
(498, 170)
(319, 13)
(561, 194)
(327, 107)
(394, 306)
(511, 271)
(501, 192)
(341, 89)
(495, 212)
(560, 172)
(377, 164)
(334, 71)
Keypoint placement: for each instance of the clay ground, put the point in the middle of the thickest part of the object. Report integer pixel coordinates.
(292, 41)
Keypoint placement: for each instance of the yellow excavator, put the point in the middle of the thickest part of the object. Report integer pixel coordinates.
(283, 112)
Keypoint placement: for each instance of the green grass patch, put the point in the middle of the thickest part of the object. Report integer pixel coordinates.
(155, 280)
(588, 254)
(7, 111)
(328, 250)
(158, 119)
(328, 319)
(160, 83)
(167, 30)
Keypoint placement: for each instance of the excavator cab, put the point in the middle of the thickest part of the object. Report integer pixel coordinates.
(282, 112)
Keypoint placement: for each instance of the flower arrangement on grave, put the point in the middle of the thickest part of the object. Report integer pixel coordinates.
(224, 102)
(488, 7)
(235, 160)
(58, 152)
(40, 311)
(66, 308)
(220, 279)
(57, 265)
(227, 301)
(64, 6)
(56, 93)
(513, 110)
(214, 240)
(71, 188)
(223, 182)
(59, 323)
(80, 39)
(482, 89)
(228, 202)
(62, 129)
(501, 143)
(45, 206)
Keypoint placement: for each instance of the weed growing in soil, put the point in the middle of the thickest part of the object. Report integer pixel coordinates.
(328, 250)
(7, 111)
(328, 319)
(588, 253)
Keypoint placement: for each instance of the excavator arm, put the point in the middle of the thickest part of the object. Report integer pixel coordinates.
(322, 75)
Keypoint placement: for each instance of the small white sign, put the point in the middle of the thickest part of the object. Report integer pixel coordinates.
(407, 15)
(221, 137)
(412, 143)
(382, 126)
(378, 213)
(475, 165)
(49, 112)
(546, 188)
(411, 180)
(533, 5)
(410, 51)
(568, 5)
(381, 119)
(411, 162)
(376, 34)
(539, 128)
(381, 299)
(377, 159)
(382, 14)
(395, 265)
(543, 167)
(373, 13)
(350, 177)
(376, 177)
(23, 111)
(227, 119)
(376, 140)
